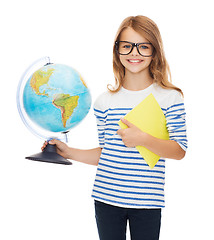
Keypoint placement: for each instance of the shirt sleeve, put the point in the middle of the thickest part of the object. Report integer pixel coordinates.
(176, 121)
(100, 114)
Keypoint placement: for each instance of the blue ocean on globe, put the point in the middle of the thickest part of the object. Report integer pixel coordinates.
(56, 98)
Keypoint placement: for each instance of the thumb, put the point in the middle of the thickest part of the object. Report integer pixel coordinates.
(125, 121)
(54, 141)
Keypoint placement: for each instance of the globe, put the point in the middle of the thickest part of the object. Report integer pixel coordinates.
(51, 100)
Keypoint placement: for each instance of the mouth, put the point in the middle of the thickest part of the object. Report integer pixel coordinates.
(134, 60)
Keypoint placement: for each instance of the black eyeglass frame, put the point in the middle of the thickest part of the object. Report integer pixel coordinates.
(133, 45)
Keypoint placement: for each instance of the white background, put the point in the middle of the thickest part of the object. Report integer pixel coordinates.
(46, 201)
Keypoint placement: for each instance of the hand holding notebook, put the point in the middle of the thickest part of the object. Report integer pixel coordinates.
(148, 117)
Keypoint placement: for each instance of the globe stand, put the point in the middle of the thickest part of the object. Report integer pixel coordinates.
(49, 155)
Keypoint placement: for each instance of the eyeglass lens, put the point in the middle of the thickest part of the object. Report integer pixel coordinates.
(145, 49)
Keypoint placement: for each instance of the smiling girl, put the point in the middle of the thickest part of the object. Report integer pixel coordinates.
(125, 188)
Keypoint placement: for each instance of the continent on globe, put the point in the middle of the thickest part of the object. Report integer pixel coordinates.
(66, 103)
(40, 78)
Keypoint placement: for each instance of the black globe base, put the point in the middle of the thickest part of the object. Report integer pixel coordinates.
(49, 155)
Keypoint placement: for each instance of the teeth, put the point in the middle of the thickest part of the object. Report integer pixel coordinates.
(134, 61)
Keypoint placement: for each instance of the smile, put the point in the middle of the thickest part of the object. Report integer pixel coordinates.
(135, 60)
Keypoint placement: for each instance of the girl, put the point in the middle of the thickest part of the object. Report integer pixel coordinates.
(125, 188)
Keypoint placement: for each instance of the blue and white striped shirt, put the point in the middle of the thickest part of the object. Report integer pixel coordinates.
(123, 177)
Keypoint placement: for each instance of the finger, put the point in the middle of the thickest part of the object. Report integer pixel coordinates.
(125, 121)
(44, 145)
(54, 141)
(120, 132)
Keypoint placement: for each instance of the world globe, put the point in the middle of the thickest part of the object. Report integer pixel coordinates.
(51, 100)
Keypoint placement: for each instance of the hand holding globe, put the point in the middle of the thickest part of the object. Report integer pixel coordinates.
(61, 148)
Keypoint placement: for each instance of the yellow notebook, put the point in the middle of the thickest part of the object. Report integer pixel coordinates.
(149, 117)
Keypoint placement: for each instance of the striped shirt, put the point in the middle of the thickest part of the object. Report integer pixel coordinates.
(123, 177)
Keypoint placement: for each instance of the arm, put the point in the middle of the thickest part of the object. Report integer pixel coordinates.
(133, 136)
(90, 156)
(163, 148)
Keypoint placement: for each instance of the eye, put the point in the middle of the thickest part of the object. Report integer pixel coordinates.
(143, 46)
(127, 46)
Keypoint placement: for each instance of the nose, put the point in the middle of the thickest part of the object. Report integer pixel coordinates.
(134, 51)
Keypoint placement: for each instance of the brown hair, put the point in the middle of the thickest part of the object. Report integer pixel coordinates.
(159, 68)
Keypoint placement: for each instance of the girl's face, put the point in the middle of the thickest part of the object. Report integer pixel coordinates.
(134, 62)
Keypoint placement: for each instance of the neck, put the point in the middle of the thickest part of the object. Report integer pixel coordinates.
(137, 81)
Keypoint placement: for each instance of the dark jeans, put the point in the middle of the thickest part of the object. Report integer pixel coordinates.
(144, 224)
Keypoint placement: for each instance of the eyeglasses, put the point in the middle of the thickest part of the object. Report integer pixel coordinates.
(145, 49)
